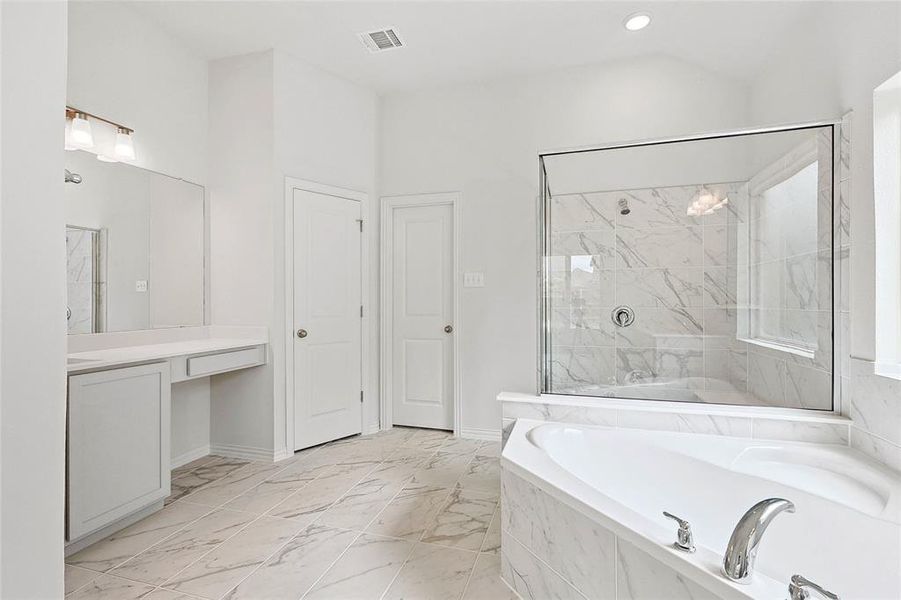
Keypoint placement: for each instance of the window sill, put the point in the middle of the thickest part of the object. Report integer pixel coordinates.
(779, 347)
(888, 371)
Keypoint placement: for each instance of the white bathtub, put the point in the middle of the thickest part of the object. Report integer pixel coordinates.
(589, 503)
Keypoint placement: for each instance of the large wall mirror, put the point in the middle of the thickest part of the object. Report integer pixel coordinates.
(135, 248)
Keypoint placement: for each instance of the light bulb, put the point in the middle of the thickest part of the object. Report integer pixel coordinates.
(81, 135)
(637, 21)
(69, 144)
(125, 148)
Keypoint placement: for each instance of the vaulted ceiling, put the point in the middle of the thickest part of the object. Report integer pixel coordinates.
(454, 42)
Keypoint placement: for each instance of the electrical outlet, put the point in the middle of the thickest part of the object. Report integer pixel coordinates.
(141, 285)
(473, 279)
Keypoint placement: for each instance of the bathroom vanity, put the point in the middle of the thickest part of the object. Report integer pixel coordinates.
(119, 418)
(142, 357)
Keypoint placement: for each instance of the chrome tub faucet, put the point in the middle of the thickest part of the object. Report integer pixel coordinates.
(799, 588)
(738, 563)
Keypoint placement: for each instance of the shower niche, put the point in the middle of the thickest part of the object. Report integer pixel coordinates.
(696, 269)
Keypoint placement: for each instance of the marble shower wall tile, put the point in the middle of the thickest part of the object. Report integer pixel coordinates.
(807, 388)
(664, 328)
(583, 212)
(766, 378)
(582, 326)
(599, 245)
(660, 288)
(573, 369)
(681, 368)
(660, 247)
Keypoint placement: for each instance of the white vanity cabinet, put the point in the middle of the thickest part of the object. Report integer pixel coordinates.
(118, 444)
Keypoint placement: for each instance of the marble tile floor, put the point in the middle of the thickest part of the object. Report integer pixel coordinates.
(404, 513)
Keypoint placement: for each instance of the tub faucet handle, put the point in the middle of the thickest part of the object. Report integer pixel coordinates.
(684, 539)
(799, 586)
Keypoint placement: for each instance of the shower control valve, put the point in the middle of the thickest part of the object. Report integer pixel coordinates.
(622, 316)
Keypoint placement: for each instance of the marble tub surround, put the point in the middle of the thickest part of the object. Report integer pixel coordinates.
(573, 528)
(736, 421)
(404, 513)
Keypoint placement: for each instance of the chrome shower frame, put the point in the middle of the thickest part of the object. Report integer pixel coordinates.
(544, 216)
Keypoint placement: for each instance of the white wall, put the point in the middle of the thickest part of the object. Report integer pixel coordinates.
(32, 299)
(831, 66)
(124, 68)
(325, 131)
(484, 139)
(272, 116)
(242, 275)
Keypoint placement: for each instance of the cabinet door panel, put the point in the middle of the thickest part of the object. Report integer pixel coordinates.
(118, 444)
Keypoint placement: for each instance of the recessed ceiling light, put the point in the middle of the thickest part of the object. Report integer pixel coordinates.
(637, 21)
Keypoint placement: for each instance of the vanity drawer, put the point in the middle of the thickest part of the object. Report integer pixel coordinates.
(210, 364)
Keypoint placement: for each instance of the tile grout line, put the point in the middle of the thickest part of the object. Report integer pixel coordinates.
(246, 526)
(403, 483)
(210, 511)
(315, 522)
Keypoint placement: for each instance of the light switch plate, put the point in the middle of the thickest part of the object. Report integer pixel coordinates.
(141, 285)
(474, 279)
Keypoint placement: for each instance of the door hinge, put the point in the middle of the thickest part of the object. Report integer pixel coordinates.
(361, 311)
(361, 395)
(360, 221)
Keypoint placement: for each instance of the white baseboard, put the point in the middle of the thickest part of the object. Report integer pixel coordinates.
(488, 435)
(187, 457)
(245, 452)
(282, 454)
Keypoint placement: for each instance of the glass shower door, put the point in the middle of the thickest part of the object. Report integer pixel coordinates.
(697, 271)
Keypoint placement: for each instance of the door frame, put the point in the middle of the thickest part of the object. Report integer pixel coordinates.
(386, 324)
(292, 184)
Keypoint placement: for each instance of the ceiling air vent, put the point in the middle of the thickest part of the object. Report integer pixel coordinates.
(377, 41)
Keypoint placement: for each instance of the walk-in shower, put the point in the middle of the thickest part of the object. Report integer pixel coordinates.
(694, 269)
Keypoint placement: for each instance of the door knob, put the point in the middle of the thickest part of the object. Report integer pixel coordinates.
(301, 333)
(448, 329)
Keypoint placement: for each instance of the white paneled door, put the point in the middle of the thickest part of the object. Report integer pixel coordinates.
(422, 380)
(327, 318)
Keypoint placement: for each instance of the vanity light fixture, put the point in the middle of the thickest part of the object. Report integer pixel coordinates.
(80, 136)
(637, 21)
(125, 147)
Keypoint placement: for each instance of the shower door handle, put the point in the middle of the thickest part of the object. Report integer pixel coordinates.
(622, 316)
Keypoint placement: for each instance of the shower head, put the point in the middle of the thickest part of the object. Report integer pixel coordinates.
(624, 206)
(72, 177)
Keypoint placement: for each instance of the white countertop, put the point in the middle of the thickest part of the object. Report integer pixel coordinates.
(111, 357)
